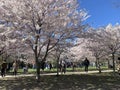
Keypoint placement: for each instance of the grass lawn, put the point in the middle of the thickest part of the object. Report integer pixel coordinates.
(104, 81)
(54, 70)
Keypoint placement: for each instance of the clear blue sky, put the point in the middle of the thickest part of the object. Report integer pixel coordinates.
(102, 12)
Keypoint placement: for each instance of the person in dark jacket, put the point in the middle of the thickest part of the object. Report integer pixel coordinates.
(50, 65)
(3, 69)
(86, 64)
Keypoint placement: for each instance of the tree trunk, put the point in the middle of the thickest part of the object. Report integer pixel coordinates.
(58, 58)
(36, 60)
(98, 64)
(37, 69)
(73, 66)
(108, 64)
(113, 57)
(57, 66)
(99, 68)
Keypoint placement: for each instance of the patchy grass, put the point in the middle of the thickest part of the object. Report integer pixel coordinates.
(54, 70)
(104, 81)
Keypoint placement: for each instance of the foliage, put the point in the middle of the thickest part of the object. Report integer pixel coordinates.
(41, 24)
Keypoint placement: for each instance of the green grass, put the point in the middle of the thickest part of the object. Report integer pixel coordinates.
(103, 81)
(53, 70)
(90, 68)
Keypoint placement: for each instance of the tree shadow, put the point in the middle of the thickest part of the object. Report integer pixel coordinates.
(63, 82)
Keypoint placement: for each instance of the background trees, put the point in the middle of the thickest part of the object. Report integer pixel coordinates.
(97, 49)
(111, 41)
(105, 41)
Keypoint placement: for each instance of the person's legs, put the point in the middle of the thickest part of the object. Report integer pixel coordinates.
(2, 72)
(15, 73)
(64, 70)
(86, 68)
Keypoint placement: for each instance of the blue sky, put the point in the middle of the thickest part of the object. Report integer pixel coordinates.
(102, 12)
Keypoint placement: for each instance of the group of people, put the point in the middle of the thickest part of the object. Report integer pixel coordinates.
(46, 65)
(4, 68)
(62, 67)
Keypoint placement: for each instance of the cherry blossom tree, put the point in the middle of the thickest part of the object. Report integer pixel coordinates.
(42, 24)
(97, 50)
(9, 42)
(105, 41)
(111, 40)
(81, 51)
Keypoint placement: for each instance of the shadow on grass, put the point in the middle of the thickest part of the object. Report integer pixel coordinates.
(63, 82)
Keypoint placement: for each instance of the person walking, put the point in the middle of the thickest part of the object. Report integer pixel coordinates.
(86, 64)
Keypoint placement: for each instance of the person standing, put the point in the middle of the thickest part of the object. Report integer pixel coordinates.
(50, 66)
(15, 68)
(86, 64)
(64, 68)
(3, 69)
(63, 64)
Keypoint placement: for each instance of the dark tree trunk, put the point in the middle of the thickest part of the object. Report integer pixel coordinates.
(73, 66)
(57, 66)
(98, 65)
(37, 60)
(113, 57)
(108, 64)
(58, 59)
(37, 69)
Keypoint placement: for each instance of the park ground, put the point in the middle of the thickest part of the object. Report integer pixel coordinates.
(69, 81)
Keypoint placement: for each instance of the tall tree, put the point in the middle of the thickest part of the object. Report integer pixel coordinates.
(111, 40)
(43, 23)
(97, 50)
(107, 41)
